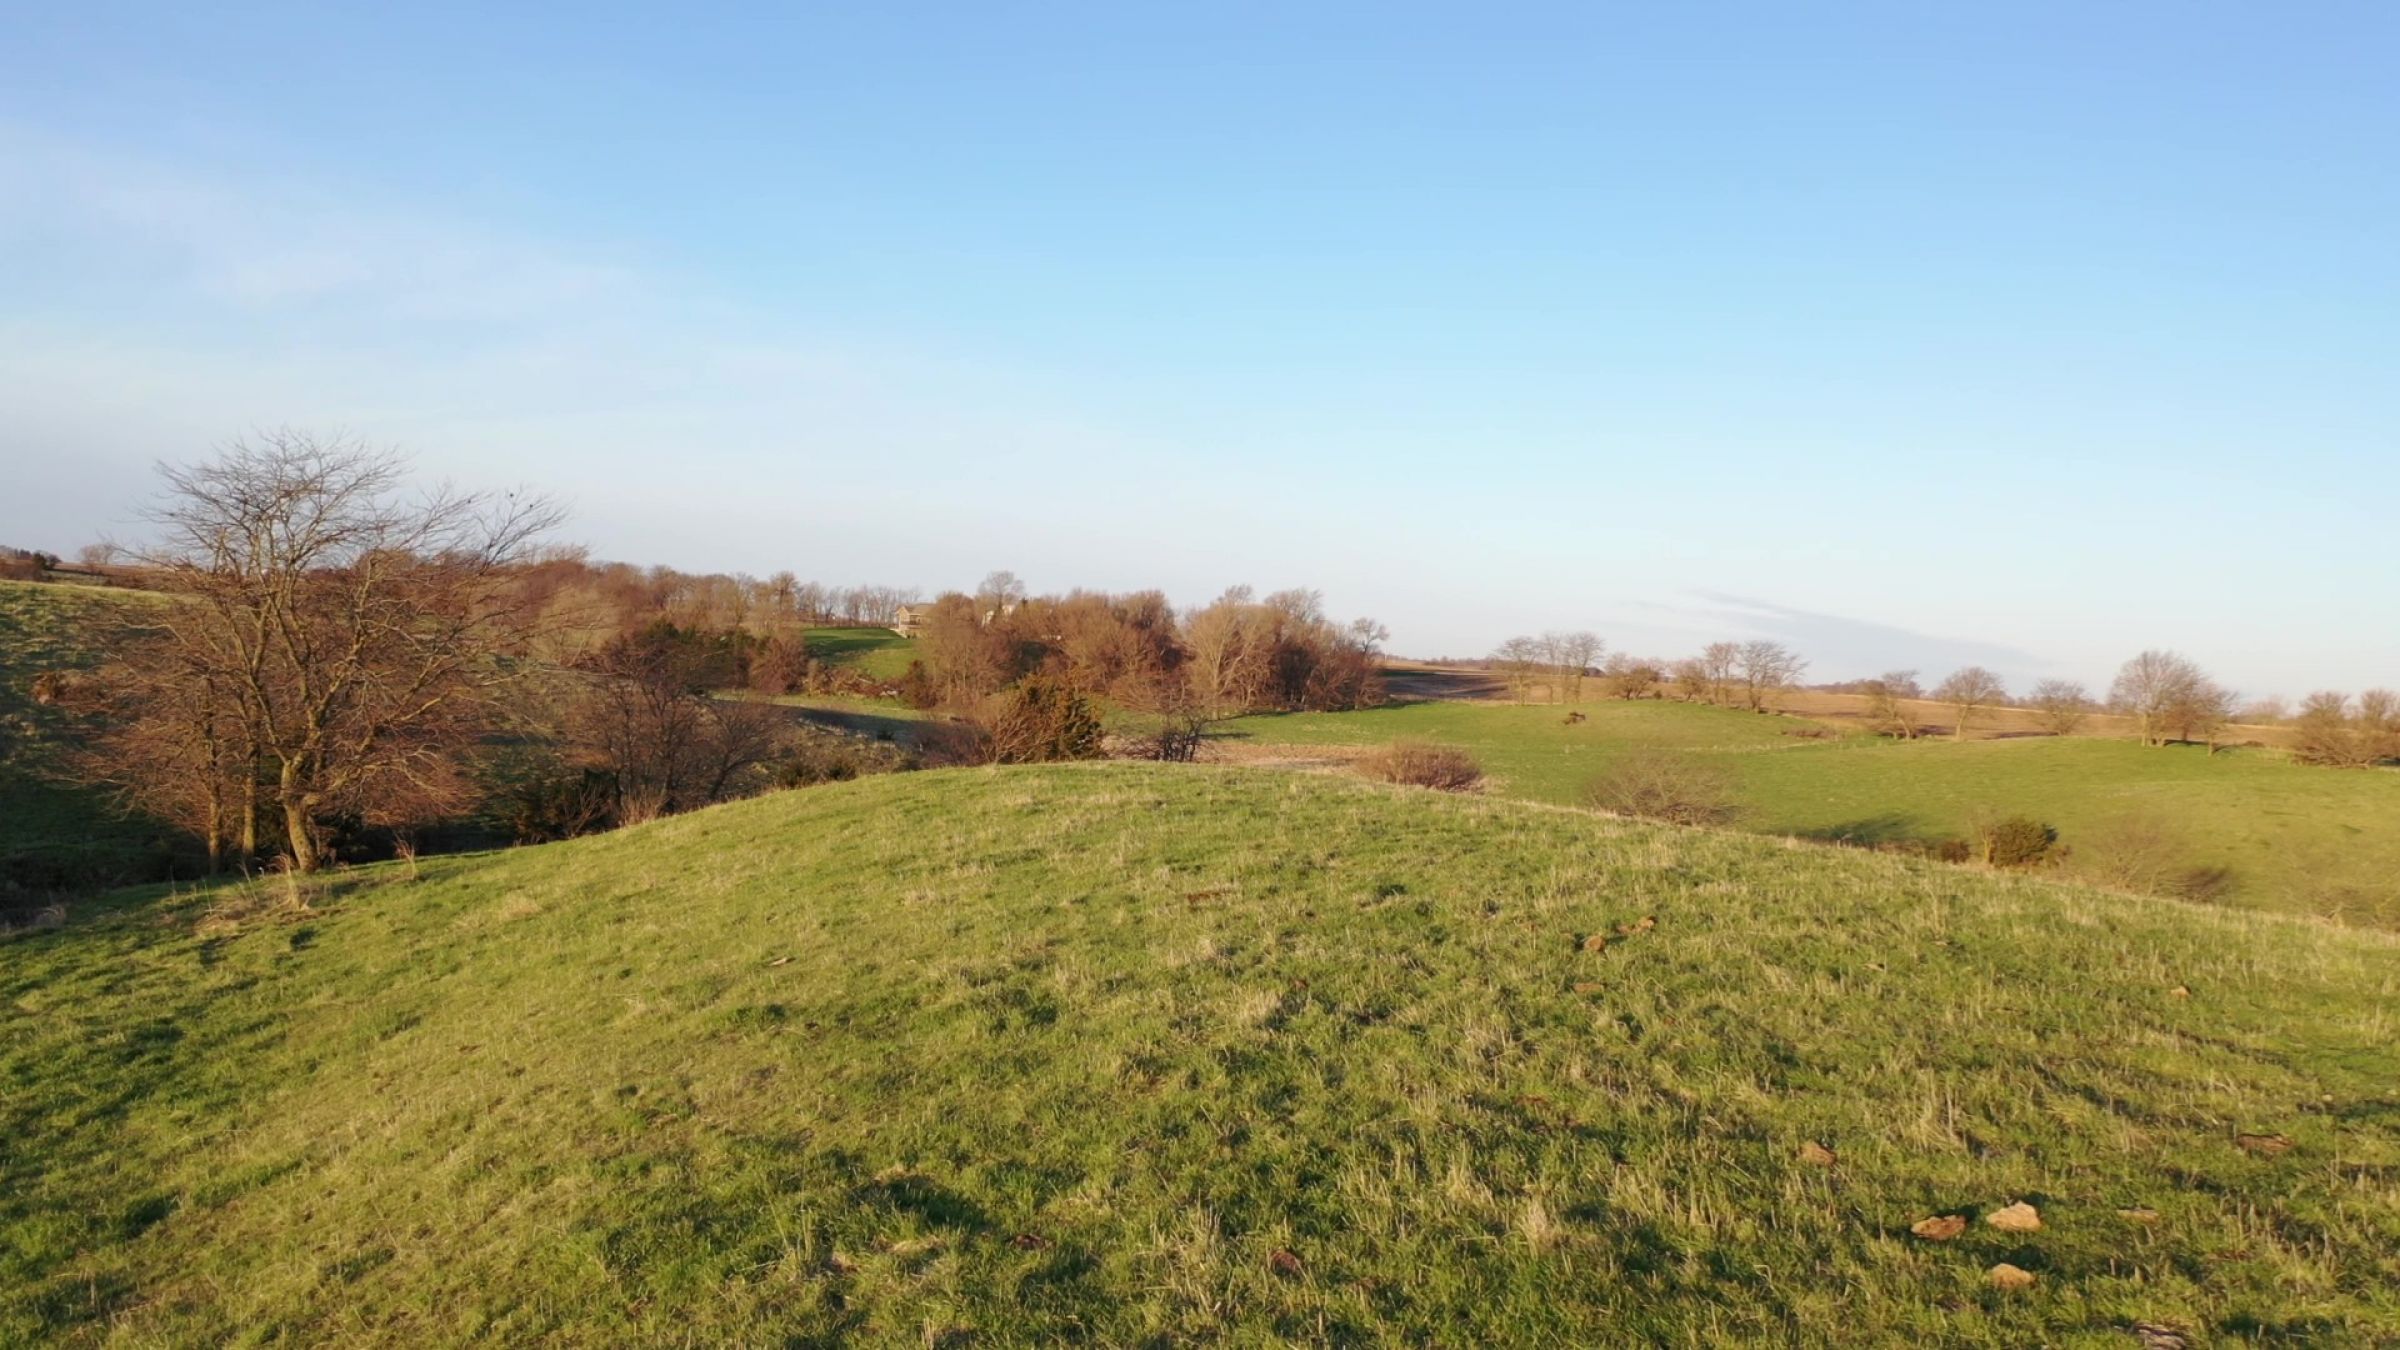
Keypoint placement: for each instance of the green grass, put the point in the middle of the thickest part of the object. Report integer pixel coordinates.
(2315, 841)
(1018, 1056)
(54, 835)
(878, 653)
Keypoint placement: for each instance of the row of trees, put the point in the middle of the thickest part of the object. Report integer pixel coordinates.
(2166, 695)
(2333, 729)
(1237, 654)
(340, 653)
(1728, 674)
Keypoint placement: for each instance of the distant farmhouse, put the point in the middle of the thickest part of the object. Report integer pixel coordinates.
(909, 620)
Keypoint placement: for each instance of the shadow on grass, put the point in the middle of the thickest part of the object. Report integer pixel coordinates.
(1878, 831)
(873, 726)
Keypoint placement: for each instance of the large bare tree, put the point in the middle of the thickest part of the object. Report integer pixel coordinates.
(1766, 669)
(1969, 691)
(336, 642)
(2063, 706)
(2150, 687)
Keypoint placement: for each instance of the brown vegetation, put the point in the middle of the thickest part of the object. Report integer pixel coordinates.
(1656, 783)
(1421, 764)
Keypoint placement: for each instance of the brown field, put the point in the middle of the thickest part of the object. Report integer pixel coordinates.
(1412, 681)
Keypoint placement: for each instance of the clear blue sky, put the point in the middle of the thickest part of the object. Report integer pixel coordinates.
(1914, 334)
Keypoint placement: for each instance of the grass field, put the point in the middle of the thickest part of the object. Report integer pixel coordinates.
(2315, 841)
(54, 836)
(878, 653)
(1152, 1055)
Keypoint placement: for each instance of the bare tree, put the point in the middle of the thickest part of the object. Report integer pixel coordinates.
(1571, 656)
(1766, 669)
(351, 637)
(2150, 686)
(2201, 712)
(2379, 723)
(1719, 662)
(1631, 677)
(2324, 733)
(2063, 706)
(1518, 659)
(663, 747)
(1968, 692)
(1887, 712)
(1691, 680)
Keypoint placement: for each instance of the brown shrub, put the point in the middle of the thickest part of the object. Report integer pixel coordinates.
(1042, 721)
(1659, 784)
(1419, 764)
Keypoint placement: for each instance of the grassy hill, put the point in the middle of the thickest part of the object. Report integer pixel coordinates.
(53, 835)
(2298, 839)
(877, 653)
(1146, 1055)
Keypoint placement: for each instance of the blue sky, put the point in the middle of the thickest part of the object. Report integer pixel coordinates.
(2032, 335)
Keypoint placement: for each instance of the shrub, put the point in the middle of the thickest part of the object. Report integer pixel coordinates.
(1043, 721)
(561, 806)
(1420, 764)
(1661, 784)
(2017, 841)
(780, 666)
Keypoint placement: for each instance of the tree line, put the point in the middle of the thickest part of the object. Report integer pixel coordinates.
(2166, 695)
(345, 655)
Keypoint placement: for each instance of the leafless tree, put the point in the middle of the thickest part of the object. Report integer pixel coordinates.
(2201, 713)
(2063, 706)
(1969, 691)
(2324, 734)
(1766, 669)
(2150, 686)
(354, 636)
(1631, 677)
(1719, 663)
(1570, 656)
(1692, 683)
(1887, 713)
(2379, 723)
(1517, 659)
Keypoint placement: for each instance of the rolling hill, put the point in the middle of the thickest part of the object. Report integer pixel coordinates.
(2282, 836)
(1146, 1055)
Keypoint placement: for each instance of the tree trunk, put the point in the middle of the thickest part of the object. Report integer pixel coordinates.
(296, 825)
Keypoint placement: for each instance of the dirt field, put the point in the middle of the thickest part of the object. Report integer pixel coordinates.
(1413, 681)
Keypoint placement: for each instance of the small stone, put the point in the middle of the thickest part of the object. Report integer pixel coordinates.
(2017, 1218)
(1595, 943)
(2008, 1278)
(1939, 1228)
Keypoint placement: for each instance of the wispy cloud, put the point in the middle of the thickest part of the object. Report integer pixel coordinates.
(1841, 646)
(264, 241)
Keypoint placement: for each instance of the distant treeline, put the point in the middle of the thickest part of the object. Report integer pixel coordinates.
(350, 662)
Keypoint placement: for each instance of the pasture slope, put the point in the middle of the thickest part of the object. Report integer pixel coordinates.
(877, 653)
(2320, 842)
(1145, 1055)
(54, 835)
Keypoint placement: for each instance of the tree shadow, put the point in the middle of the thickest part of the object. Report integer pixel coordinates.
(1880, 831)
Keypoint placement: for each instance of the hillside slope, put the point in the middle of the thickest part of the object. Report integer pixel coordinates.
(1148, 1055)
(55, 836)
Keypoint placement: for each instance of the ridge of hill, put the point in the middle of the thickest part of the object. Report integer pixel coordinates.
(1142, 1054)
